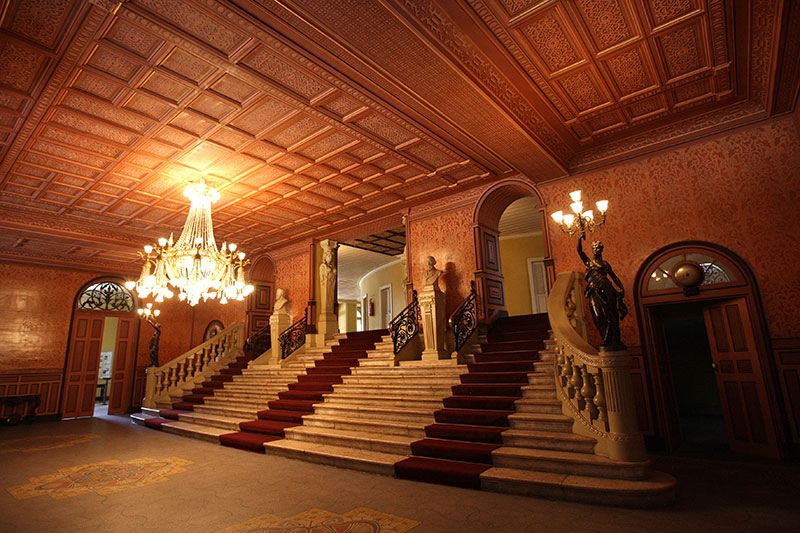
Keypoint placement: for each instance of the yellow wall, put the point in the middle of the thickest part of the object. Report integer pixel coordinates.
(347, 315)
(109, 334)
(371, 283)
(514, 254)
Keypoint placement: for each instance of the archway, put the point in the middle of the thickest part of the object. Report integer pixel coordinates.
(260, 302)
(489, 278)
(101, 354)
(704, 341)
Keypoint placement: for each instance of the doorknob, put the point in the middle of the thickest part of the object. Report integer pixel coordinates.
(714, 366)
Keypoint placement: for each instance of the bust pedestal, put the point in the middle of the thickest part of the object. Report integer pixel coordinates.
(432, 305)
(278, 323)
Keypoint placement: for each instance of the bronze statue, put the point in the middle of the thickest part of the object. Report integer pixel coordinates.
(154, 342)
(605, 302)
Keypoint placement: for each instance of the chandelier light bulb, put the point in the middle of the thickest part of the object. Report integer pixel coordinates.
(558, 216)
(130, 285)
(241, 255)
(141, 311)
(569, 219)
(577, 207)
(157, 312)
(602, 206)
(588, 215)
(232, 247)
(148, 248)
(575, 195)
(162, 241)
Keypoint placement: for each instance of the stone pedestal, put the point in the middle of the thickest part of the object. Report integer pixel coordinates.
(327, 327)
(432, 305)
(620, 406)
(150, 387)
(278, 323)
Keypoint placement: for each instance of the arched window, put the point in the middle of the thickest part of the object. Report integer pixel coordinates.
(714, 271)
(106, 296)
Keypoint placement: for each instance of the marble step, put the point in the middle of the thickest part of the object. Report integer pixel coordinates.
(430, 402)
(541, 422)
(222, 393)
(377, 442)
(232, 412)
(542, 392)
(217, 421)
(570, 463)
(387, 362)
(241, 403)
(568, 442)
(542, 378)
(392, 389)
(386, 427)
(326, 454)
(409, 380)
(195, 431)
(536, 405)
(395, 414)
(424, 371)
(543, 366)
(658, 490)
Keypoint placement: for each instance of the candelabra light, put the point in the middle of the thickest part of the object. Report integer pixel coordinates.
(148, 313)
(580, 220)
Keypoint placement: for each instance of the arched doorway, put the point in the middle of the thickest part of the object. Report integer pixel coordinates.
(101, 354)
(260, 302)
(705, 349)
(489, 278)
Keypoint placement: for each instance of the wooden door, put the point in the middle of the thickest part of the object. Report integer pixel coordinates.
(259, 307)
(386, 306)
(80, 378)
(741, 382)
(122, 371)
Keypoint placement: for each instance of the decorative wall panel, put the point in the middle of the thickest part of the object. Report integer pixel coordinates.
(46, 382)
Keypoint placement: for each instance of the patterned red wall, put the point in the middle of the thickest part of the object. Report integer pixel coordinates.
(448, 238)
(739, 190)
(291, 274)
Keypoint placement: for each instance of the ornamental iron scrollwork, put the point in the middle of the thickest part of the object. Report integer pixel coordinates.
(405, 325)
(464, 320)
(106, 296)
(294, 337)
(258, 343)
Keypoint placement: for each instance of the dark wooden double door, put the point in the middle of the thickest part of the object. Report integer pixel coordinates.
(740, 378)
(83, 363)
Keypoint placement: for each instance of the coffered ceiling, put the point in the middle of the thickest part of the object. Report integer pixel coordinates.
(310, 116)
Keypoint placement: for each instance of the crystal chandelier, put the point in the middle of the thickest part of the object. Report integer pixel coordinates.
(193, 265)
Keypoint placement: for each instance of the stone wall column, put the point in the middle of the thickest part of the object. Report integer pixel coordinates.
(278, 323)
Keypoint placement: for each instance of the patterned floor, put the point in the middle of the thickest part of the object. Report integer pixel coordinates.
(44, 442)
(103, 478)
(360, 520)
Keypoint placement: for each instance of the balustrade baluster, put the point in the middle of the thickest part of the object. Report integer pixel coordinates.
(576, 382)
(600, 398)
(588, 392)
(566, 374)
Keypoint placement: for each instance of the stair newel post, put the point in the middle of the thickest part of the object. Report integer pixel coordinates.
(600, 399)
(588, 392)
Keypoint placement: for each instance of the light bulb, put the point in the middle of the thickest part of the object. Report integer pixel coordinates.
(240, 256)
(569, 219)
(558, 216)
(130, 285)
(162, 241)
(148, 248)
(577, 207)
(575, 195)
(159, 298)
(588, 215)
(149, 306)
(602, 206)
(232, 247)
(141, 311)
(157, 312)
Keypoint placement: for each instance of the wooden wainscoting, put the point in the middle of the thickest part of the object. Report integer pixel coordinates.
(46, 382)
(641, 392)
(787, 363)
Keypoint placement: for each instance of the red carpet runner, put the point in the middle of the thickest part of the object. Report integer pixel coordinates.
(459, 445)
(291, 405)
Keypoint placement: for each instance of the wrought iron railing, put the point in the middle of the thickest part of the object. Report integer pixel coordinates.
(258, 343)
(464, 320)
(405, 325)
(294, 337)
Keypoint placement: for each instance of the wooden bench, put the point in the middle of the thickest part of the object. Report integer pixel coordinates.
(18, 408)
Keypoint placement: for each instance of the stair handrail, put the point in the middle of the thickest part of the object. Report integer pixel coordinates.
(595, 388)
(405, 325)
(293, 337)
(464, 320)
(258, 343)
(193, 365)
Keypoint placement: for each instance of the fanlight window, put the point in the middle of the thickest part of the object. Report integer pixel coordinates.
(106, 296)
(714, 271)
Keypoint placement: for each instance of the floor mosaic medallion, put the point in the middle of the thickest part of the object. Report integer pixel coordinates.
(361, 520)
(44, 442)
(103, 478)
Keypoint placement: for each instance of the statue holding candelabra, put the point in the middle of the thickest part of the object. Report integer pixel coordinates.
(605, 300)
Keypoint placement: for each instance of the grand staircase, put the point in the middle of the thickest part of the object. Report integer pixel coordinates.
(371, 418)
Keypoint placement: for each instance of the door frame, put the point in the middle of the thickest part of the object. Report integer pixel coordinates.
(530, 261)
(389, 303)
(127, 395)
(664, 414)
